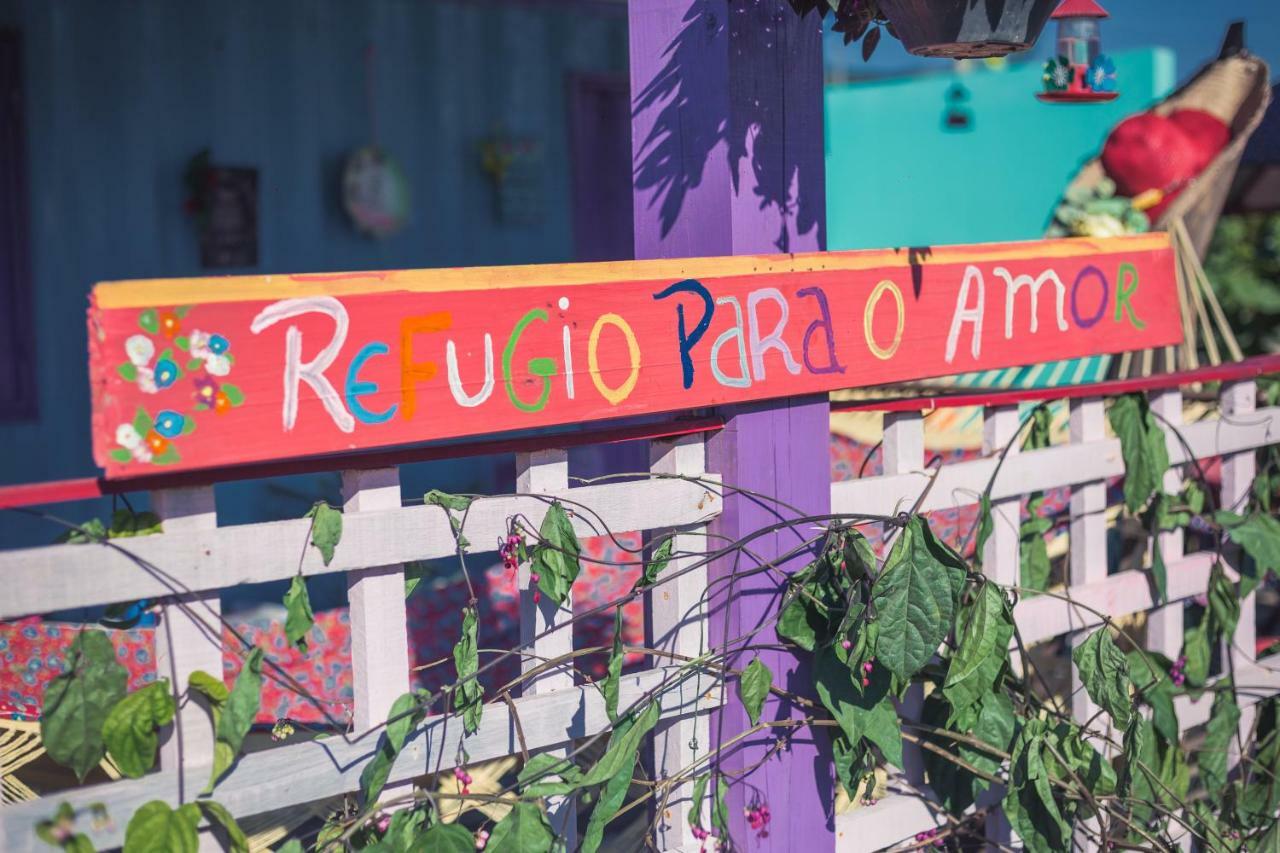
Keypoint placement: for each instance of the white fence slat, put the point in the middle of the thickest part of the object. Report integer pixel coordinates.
(1237, 402)
(59, 577)
(1088, 535)
(188, 636)
(1001, 558)
(313, 770)
(546, 472)
(677, 622)
(1044, 617)
(902, 449)
(379, 629)
(1165, 624)
(960, 484)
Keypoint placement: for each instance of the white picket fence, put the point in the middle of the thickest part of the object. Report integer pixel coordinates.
(196, 557)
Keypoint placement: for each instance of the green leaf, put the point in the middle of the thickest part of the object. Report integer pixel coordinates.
(614, 674)
(1142, 444)
(406, 713)
(985, 628)
(720, 808)
(985, 527)
(131, 728)
(149, 321)
(861, 712)
(468, 697)
(142, 422)
(695, 801)
(914, 602)
(452, 838)
(234, 395)
(1040, 433)
(92, 530)
(611, 798)
(795, 623)
(233, 838)
(1105, 674)
(194, 364)
(299, 618)
(624, 743)
(1197, 650)
(524, 830)
(556, 558)
(326, 529)
(1029, 804)
(978, 687)
(121, 455)
(156, 828)
(237, 716)
(128, 372)
(1259, 800)
(1224, 722)
(77, 703)
(753, 688)
(450, 504)
(403, 831)
(1149, 675)
(211, 686)
(1033, 553)
(1259, 536)
(413, 574)
(656, 565)
(535, 778)
(60, 830)
(1224, 606)
(1132, 753)
(458, 503)
(1159, 574)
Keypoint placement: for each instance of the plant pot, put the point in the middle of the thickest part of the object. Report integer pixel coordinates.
(961, 29)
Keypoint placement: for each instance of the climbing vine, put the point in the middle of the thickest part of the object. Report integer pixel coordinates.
(872, 629)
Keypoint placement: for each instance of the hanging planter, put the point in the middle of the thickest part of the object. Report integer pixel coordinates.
(962, 29)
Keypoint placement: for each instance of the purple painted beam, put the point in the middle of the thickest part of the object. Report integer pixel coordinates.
(727, 149)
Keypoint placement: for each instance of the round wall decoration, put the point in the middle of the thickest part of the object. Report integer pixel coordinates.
(375, 193)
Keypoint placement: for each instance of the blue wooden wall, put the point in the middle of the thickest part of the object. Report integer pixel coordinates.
(120, 95)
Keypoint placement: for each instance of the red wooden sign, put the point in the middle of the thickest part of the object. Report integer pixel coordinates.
(191, 373)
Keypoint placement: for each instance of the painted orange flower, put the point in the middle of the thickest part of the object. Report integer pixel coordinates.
(169, 324)
(221, 403)
(157, 443)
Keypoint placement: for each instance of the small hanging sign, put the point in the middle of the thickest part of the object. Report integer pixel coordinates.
(223, 201)
(375, 193)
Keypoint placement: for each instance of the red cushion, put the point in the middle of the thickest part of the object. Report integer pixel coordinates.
(1148, 151)
(1207, 133)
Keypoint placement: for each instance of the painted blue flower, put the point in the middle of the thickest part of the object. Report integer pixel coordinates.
(166, 372)
(169, 423)
(1102, 74)
(218, 344)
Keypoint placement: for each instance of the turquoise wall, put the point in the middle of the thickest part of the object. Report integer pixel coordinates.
(896, 178)
(121, 94)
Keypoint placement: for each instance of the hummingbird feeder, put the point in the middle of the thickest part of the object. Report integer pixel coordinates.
(1080, 73)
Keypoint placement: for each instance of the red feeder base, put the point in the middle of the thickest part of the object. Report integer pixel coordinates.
(1067, 97)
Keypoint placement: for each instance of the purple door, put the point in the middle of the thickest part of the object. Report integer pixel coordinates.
(600, 153)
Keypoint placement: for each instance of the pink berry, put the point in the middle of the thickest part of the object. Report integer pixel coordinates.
(866, 682)
(537, 596)
(866, 667)
(846, 645)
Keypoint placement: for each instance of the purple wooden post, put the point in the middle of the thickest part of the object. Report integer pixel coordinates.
(727, 152)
